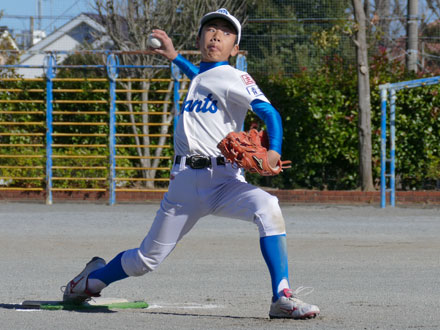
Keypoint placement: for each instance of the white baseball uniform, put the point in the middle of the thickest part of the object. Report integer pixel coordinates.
(216, 104)
(212, 110)
(202, 183)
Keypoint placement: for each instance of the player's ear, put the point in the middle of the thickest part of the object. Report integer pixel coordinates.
(235, 50)
(198, 42)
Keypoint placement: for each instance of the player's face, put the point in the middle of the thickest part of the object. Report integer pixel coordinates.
(217, 41)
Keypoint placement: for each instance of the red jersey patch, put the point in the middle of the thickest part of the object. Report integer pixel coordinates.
(247, 79)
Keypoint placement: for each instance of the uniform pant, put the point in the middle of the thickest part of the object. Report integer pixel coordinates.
(194, 193)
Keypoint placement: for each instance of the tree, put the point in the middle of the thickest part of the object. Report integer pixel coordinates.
(364, 121)
(8, 51)
(383, 13)
(127, 24)
(434, 6)
(431, 48)
(284, 34)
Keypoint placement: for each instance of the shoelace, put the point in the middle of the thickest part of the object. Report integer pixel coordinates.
(294, 295)
(64, 287)
(298, 291)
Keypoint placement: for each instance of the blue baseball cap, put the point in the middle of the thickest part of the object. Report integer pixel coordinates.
(223, 14)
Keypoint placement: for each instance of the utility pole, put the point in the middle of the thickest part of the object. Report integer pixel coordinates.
(31, 34)
(412, 40)
(39, 14)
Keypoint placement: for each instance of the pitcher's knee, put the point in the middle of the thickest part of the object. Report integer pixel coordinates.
(269, 218)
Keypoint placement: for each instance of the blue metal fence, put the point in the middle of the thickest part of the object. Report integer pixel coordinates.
(391, 89)
(112, 67)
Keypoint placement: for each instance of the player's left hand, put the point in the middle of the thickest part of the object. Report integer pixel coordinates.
(249, 151)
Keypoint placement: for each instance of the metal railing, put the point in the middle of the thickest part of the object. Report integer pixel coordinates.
(22, 142)
(75, 143)
(391, 89)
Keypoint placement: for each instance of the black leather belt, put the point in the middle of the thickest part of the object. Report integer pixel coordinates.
(199, 162)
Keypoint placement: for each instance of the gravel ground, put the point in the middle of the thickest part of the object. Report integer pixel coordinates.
(371, 268)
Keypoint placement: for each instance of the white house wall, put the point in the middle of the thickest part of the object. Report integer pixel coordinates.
(59, 40)
(65, 42)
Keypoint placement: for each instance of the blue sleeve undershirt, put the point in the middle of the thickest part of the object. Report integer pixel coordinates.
(186, 66)
(272, 119)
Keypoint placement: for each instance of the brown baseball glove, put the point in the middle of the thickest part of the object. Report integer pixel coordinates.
(249, 151)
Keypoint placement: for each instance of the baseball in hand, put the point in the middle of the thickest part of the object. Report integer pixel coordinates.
(153, 42)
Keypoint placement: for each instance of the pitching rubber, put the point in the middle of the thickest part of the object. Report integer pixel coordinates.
(97, 303)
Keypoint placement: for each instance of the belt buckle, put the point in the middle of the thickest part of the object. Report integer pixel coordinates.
(198, 162)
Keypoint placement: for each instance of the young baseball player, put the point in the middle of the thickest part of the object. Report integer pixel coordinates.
(201, 181)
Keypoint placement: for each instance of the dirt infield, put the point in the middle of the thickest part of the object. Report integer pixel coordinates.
(371, 268)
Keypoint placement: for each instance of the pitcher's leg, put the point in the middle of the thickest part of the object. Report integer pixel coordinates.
(274, 250)
(171, 223)
(244, 201)
(102, 277)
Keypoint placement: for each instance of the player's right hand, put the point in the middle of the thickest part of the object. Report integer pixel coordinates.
(273, 158)
(167, 49)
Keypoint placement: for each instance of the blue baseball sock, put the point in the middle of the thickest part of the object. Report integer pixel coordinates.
(112, 272)
(274, 249)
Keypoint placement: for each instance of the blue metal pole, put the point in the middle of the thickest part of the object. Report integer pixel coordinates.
(112, 142)
(241, 63)
(415, 83)
(383, 148)
(84, 66)
(49, 66)
(393, 148)
(112, 71)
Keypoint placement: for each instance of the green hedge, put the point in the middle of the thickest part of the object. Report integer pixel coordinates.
(319, 113)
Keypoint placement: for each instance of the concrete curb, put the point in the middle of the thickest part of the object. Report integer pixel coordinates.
(285, 196)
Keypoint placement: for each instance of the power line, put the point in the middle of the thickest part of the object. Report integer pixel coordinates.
(43, 16)
(60, 16)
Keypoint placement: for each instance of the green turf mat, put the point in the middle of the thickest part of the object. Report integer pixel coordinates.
(59, 305)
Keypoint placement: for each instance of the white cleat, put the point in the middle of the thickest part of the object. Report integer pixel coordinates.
(76, 290)
(290, 307)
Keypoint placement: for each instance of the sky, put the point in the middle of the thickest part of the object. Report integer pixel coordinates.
(54, 12)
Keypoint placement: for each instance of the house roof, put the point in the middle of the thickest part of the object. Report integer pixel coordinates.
(71, 28)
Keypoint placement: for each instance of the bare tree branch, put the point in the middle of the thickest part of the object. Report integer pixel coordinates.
(128, 23)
